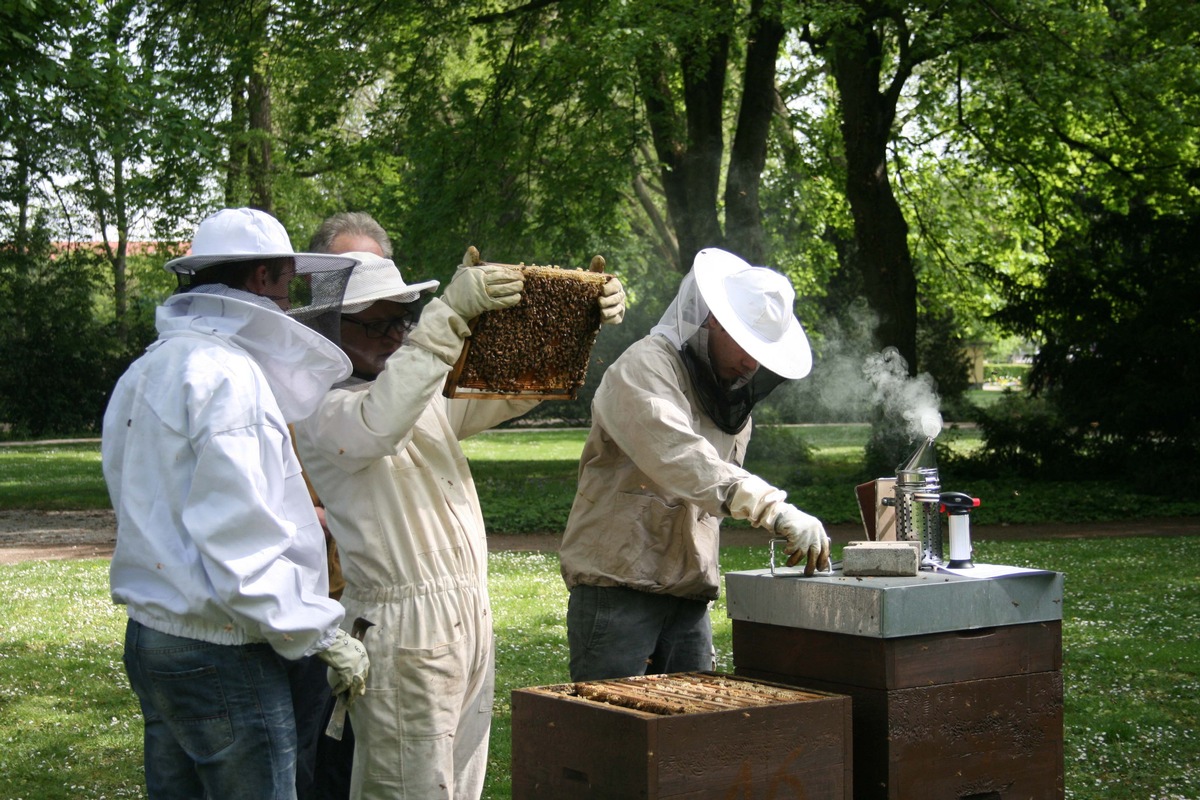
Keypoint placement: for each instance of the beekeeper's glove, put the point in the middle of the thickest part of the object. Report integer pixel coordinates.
(486, 287)
(348, 665)
(612, 302)
(806, 539)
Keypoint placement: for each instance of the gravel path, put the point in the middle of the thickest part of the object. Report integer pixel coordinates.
(52, 535)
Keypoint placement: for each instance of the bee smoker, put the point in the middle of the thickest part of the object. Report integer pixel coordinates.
(917, 497)
(957, 506)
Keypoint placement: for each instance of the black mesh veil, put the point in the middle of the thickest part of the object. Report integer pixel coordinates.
(728, 407)
(321, 308)
(683, 324)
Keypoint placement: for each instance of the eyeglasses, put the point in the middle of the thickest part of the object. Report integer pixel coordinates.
(379, 328)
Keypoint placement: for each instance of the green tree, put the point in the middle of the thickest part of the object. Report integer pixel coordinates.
(560, 129)
(58, 360)
(114, 124)
(923, 157)
(1089, 115)
(1120, 358)
(98, 134)
(31, 37)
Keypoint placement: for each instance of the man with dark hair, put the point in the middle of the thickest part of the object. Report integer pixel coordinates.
(277, 273)
(219, 559)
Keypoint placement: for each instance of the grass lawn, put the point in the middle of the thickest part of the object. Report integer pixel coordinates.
(526, 479)
(1131, 667)
(1132, 608)
(52, 477)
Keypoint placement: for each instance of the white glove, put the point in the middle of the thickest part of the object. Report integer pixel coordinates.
(612, 302)
(348, 665)
(486, 287)
(806, 539)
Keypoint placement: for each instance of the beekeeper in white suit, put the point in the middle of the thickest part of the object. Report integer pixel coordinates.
(220, 560)
(662, 467)
(383, 453)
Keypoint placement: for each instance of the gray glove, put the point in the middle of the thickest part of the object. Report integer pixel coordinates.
(486, 287)
(806, 539)
(348, 665)
(612, 302)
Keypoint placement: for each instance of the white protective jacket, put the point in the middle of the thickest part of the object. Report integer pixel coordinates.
(385, 459)
(656, 477)
(217, 539)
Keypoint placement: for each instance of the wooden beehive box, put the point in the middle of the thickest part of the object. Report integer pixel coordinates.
(687, 735)
(539, 348)
(959, 714)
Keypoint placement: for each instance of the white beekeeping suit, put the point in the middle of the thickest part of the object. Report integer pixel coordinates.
(384, 457)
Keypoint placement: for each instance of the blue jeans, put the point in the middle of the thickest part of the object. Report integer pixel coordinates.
(615, 632)
(334, 759)
(310, 697)
(219, 719)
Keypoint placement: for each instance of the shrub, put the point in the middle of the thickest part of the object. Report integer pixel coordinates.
(1024, 436)
(1120, 362)
(59, 361)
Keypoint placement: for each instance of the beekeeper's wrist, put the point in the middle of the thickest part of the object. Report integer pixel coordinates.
(441, 331)
(756, 501)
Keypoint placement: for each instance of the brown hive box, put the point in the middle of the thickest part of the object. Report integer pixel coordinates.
(960, 714)
(686, 735)
(541, 346)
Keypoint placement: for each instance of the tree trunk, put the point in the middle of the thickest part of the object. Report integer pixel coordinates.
(689, 150)
(118, 259)
(880, 231)
(249, 177)
(663, 236)
(259, 151)
(235, 170)
(21, 237)
(748, 157)
(259, 102)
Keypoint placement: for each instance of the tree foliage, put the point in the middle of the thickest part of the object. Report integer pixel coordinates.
(1119, 322)
(59, 363)
(922, 160)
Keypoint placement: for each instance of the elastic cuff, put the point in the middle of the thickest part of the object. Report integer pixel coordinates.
(441, 331)
(756, 500)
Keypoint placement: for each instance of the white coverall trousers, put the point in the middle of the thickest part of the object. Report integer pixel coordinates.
(421, 731)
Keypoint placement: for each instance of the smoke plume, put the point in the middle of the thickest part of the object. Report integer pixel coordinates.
(853, 381)
(912, 403)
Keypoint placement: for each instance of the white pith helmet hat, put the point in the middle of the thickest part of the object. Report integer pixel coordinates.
(754, 305)
(244, 234)
(377, 278)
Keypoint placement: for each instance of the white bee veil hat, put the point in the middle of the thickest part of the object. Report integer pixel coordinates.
(244, 234)
(754, 305)
(377, 278)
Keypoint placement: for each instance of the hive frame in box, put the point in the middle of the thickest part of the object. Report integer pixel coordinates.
(487, 349)
(680, 742)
